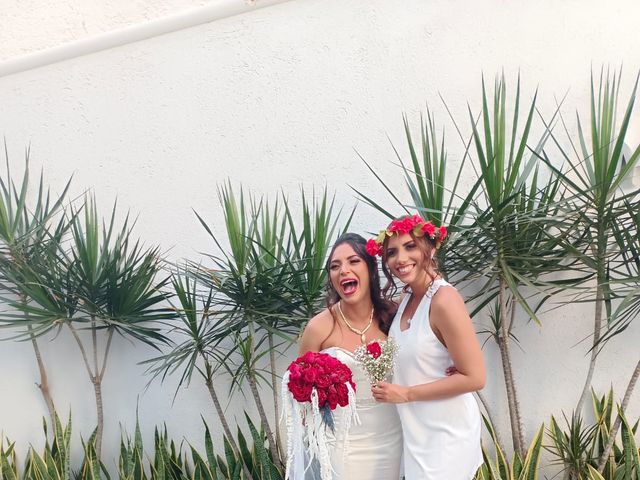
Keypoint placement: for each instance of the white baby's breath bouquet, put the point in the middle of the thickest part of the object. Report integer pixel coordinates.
(377, 358)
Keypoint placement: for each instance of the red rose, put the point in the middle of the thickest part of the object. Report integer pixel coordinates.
(322, 397)
(343, 374)
(407, 225)
(374, 349)
(323, 381)
(331, 362)
(301, 392)
(394, 226)
(373, 248)
(343, 394)
(310, 375)
(295, 372)
(308, 357)
(324, 373)
(442, 233)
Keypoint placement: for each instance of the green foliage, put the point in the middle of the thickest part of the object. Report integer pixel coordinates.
(500, 468)
(169, 460)
(579, 447)
(425, 180)
(266, 280)
(524, 220)
(594, 171)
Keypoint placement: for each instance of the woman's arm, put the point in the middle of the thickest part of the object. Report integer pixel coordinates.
(452, 324)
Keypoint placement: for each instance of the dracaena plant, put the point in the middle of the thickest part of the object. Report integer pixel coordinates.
(197, 346)
(27, 227)
(99, 283)
(501, 225)
(627, 286)
(266, 280)
(594, 172)
(425, 177)
(510, 248)
(245, 286)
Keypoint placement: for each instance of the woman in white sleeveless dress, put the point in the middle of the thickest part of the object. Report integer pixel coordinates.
(440, 418)
(356, 313)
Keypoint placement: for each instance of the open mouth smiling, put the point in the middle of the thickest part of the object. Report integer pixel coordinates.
(349, 285)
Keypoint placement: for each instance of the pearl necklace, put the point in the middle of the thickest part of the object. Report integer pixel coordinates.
(362, 332)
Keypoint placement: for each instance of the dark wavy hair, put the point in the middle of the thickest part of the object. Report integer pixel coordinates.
(383, 309)
(426, 245)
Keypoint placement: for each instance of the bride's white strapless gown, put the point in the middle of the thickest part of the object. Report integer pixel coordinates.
(372, 449)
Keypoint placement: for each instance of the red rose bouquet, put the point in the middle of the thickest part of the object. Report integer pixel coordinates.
(323, 373)
(314, 385)
(377, 358)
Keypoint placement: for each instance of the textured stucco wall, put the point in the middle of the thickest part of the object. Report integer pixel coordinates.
(279, 98)
(32, 25)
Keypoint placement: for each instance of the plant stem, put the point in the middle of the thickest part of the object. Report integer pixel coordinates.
(602, 461)
(97, 390)
(216, 403)
(223, 419)
(253, 385)
(505, 355)
(274, 389)
(43, 385)
(83, 352)
(95, 375)
(597, 327)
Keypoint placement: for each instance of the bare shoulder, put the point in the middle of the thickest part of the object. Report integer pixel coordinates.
(316, 332)
(448, 303)
(321, 324)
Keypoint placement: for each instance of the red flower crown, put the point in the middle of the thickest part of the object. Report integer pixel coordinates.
(415, 224)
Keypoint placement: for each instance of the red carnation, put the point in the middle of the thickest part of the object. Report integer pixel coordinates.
(374, 349)
(402, 226)
(373, 248)
(407, 225)
(395, 226)
(416, 220)
(430, 229)
(442, 233)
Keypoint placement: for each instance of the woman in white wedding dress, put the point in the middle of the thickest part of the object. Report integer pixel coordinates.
(356, 314)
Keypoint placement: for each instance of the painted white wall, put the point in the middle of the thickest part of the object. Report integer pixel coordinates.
(32, 25)
(276, 99)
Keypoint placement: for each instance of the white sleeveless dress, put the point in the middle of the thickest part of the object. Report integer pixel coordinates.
(371, 450)
(441, 437)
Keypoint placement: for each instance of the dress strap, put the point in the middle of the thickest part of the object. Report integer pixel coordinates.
(435, 286)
